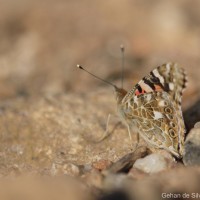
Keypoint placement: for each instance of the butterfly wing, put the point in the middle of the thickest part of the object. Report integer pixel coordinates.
(153, 105)
(158, 121)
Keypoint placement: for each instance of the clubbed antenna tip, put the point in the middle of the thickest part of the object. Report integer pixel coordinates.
(122, 47)
(79, 66)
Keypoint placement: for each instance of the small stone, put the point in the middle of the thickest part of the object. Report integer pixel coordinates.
(65, 169)
(152, 163)
(71, 169)
(197, 125)
(101, 164)
(192, 147)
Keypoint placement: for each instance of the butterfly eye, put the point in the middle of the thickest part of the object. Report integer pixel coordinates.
(172, 133)
(168, 110)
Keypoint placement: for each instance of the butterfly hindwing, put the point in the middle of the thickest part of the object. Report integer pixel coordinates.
(158, 121)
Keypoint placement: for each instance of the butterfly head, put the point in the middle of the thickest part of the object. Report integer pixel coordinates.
(119, 94)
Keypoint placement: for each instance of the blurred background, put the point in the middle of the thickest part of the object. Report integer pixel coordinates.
(41, 42)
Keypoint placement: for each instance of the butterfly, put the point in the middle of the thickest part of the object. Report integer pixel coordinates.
(153, 106)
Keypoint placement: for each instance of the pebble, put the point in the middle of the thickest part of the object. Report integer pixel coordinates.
(64, 169)
(152, 163)
(192, 147)
(101, 164)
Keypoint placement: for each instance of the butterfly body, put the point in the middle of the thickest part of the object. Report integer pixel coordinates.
(153, 106)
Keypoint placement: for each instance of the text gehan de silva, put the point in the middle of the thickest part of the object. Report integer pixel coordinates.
(181, 195)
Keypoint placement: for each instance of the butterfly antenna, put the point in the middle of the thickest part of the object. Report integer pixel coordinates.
(80, 67)
(122, 65)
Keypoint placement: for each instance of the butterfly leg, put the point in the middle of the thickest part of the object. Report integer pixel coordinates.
(137, 137)
(137, 140)
(107, 132)
(129, 132)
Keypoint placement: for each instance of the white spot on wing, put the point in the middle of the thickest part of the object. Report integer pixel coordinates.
(161, 103)
(148, 97)
(171, 86)
(144, 86)
(136, 99)
(168, 67)
(156, 73)
(157, 115)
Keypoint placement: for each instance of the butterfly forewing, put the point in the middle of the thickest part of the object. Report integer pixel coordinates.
(158, 122)
(173, 79)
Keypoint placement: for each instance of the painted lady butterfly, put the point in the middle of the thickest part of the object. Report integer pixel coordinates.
(154, 107)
